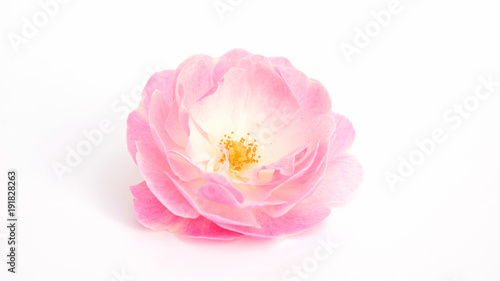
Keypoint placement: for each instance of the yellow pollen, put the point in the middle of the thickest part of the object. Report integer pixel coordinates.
(241, 153)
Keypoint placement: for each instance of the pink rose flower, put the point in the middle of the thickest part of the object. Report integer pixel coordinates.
(240, 145)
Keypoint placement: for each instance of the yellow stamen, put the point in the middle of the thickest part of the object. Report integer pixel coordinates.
(242, 153)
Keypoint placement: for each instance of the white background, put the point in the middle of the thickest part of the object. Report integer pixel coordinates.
(442, 223)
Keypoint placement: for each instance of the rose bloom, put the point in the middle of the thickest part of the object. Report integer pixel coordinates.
(240, 145)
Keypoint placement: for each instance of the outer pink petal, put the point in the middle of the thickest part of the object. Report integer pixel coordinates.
(280, 61)
(163, 81)
(158, 113)
(301, 217)
(343, 176)
(344, 173)
(153, 167)
(241, 58)
(152, 214)
(302, 187)
(226, 61)
(194, 80)
(176, 123)
(191, 59)
(312, 95)
(216, 212)
(307, 169)
(249, 61)
(343, 137)
(298, 134)
(138, 128)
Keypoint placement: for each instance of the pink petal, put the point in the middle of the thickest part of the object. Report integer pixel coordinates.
(198, 147)
(296, 135)
(343, 176)
(216, 212)
(301, 217)
(312, 95)
(176, 124)
(158, 112)
(265, 190)
(182, 168)
(191, 59)
(237, 103)
(268, 176)
(217, 194)
(343, 136)
(137, 130)
(226, 61)
(224, 182)
(151, 213)
(194, 80)
(286, 165)
(163, 81)
(153, 167)
(317, 138)
(303, 186)
(249, 61)
(187, 171)
(280, 61)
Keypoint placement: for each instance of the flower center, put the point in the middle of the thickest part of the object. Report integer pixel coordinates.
(241, 153)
